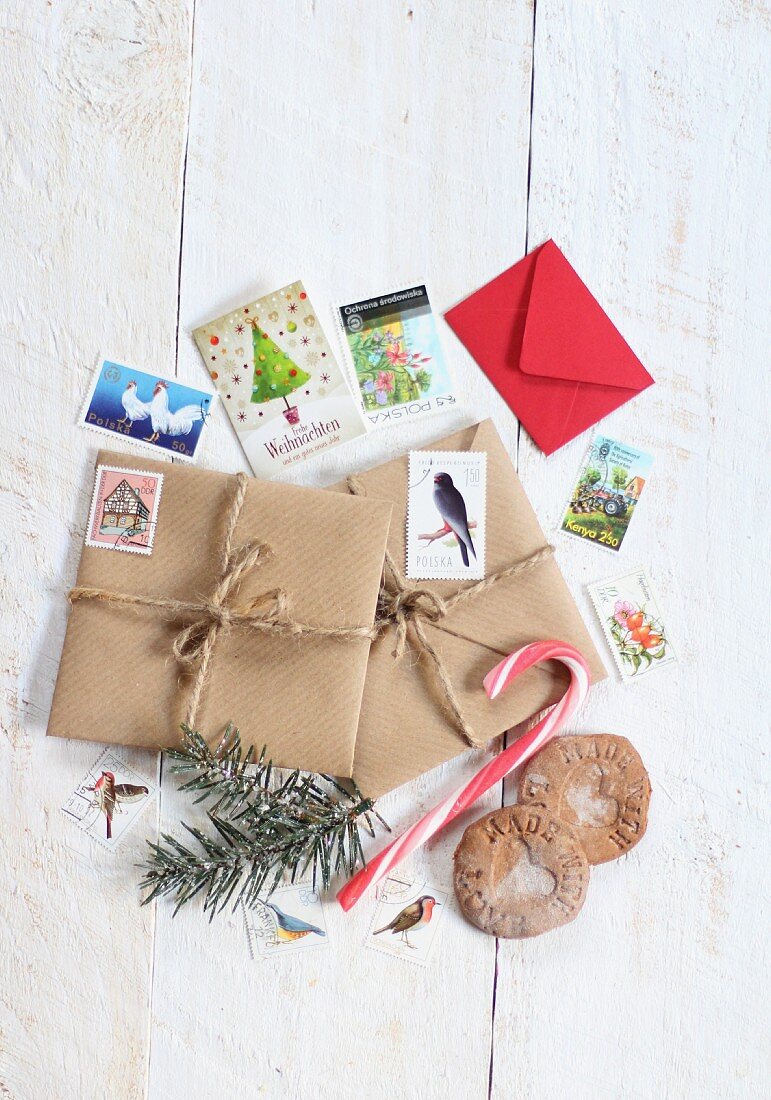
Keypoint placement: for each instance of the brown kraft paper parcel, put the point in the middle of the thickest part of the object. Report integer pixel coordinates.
(119, 681)
(405, 728)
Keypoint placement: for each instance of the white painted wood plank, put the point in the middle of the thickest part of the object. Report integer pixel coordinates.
(648, 167)
(93, 104)
(353, 146)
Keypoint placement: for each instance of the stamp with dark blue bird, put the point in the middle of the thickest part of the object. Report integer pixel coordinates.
(446, 515)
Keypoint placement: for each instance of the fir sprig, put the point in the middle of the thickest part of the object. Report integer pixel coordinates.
(266, 824)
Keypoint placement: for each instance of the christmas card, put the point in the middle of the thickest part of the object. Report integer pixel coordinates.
(279, 381)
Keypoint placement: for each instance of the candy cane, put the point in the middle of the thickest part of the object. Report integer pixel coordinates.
(495, 770)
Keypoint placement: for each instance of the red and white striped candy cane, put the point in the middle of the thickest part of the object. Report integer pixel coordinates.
(522, 749)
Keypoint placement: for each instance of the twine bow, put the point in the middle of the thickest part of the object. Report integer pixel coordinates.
(401, 605)
(209, 618)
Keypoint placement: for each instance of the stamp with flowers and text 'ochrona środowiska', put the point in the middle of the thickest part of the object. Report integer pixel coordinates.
(392, 346)
(446, 515)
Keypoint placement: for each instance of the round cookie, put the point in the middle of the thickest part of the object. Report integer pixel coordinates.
(519, 872)
(597, 784)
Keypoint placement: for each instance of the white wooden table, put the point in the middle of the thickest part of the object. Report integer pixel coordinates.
(164, 160)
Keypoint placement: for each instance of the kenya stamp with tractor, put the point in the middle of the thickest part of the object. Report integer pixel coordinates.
(607, 490)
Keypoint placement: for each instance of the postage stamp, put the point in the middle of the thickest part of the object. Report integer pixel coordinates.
(109, 799)
(407, 920)
(446, 506)
(392, 346)
(291, 919)
(279, 381)
(156, 413)
(631, 620)
(606, 492)
(124, 509)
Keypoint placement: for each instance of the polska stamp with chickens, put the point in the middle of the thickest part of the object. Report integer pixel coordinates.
(109, 799)
(153, 412)
(446, 505)
(407, 919)
(124, 509)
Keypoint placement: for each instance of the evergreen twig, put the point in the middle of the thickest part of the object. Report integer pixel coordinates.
(265, 824)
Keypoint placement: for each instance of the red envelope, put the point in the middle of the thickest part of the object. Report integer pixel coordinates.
(548, 347)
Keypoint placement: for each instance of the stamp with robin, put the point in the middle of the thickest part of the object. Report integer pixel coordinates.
(124, 509)
(407, 920)
(446, 515)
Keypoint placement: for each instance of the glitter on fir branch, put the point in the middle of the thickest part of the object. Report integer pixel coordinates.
(266, 824)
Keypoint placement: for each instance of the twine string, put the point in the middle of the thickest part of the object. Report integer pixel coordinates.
(401, 605)
(207, 619)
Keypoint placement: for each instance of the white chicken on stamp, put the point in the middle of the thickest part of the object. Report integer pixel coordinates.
(134, 407)
(168, 422)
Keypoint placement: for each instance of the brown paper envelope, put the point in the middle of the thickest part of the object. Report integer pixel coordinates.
(118, 681)
(404, 729)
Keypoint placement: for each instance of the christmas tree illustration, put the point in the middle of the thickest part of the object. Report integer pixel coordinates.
(275, 373)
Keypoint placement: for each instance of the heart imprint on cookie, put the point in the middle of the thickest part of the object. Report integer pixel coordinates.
(526, 878)
(585, 802)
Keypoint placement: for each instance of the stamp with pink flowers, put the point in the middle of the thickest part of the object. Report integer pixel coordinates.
(631, 620)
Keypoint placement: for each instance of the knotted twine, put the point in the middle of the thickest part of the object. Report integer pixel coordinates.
(210, 618)
(401, 604)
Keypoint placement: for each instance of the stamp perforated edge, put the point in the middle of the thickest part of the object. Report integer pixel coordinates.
(594, 597)
(254, 954)
(347, 359)
(144, 550)
(151, 794)
(145, 447)
(408, 542)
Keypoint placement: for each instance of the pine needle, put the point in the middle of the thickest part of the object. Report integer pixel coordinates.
(264, 825)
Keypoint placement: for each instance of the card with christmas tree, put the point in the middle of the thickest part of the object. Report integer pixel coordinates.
(279, 380)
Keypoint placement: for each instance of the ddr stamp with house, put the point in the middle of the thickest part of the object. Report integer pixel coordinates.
(124, 509)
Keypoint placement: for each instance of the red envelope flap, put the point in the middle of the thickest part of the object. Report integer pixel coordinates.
(491, 321)
(567, 333)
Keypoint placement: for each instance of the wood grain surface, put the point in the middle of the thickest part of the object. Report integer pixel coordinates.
(165, 160)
